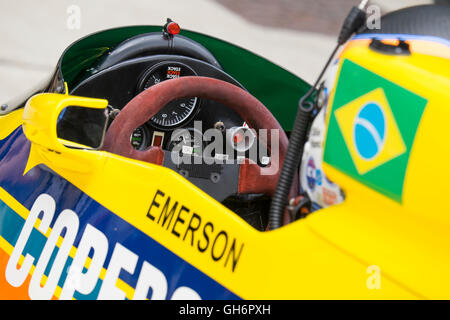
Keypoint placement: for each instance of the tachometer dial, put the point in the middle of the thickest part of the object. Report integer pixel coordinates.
(177, 111)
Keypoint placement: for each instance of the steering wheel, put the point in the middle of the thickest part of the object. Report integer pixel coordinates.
(251, 178)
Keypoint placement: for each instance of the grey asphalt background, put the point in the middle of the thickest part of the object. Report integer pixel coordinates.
(33, 34)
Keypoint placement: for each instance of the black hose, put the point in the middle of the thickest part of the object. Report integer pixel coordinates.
(291, 162)
(355, 20)
(294, 154)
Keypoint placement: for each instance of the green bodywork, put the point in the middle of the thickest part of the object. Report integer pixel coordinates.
(278, 89)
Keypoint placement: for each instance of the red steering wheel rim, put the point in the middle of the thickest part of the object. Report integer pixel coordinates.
(252, 178)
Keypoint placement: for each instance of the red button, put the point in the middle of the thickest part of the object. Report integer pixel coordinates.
(157, 140)
(173, 28)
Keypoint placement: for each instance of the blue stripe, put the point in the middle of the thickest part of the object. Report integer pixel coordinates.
(26, 188)
(401, 37)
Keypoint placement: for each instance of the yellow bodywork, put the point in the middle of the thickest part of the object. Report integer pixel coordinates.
(368, 247)
(408, 241)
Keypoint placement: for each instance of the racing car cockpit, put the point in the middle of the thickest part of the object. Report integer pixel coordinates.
(202, 107)
(216, 114)
(148, 164)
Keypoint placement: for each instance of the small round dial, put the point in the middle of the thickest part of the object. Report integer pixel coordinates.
(139, 138)
(177, 111)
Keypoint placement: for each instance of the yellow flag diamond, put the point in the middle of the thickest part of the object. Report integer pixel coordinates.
(370, 131)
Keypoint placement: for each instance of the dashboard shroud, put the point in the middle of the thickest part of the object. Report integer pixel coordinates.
(122, 82)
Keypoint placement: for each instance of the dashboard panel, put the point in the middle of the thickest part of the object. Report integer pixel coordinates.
(122, 82)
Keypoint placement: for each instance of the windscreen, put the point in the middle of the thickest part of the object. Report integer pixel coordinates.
(82, 127)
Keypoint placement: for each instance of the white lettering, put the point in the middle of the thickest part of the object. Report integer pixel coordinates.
(150, 277)
(185, 293)
(67, 220)
(44, 203)
(122, 258)
(85, 282)
(92, 239)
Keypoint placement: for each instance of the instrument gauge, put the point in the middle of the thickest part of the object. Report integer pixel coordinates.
(177, 111)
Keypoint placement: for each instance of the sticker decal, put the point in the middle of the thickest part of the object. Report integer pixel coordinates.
(321, 191)
(172, 215)
(371, 130)
(310, 174)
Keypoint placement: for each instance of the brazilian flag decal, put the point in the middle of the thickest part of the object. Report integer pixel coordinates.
(372, 128)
